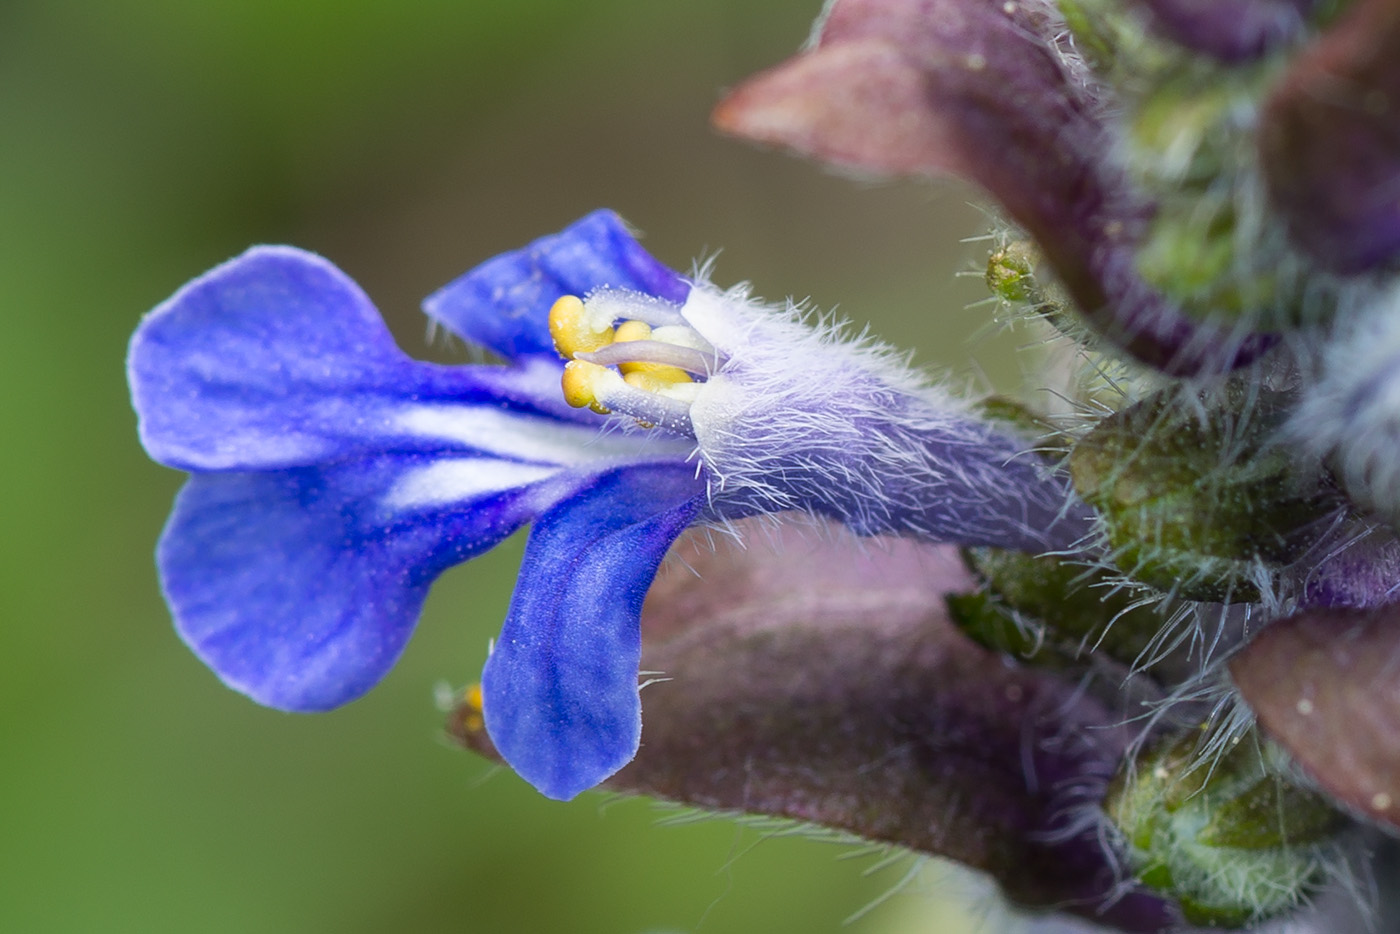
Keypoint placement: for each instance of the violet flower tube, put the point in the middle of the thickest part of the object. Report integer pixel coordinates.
(333, 477)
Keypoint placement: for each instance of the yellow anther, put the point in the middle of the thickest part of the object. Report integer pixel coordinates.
(578, 384)
(572, 330)
(641, 331)
(632, 331)
(660, 372)
(473, 721)
(653, 377)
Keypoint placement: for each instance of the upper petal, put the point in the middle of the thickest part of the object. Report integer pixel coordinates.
(503, 304)
(300, 587)
(277, 359)
(560, 688)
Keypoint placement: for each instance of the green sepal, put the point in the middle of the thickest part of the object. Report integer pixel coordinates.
(1213, 916)
(992, 625)
(1195, 499)
(1272, 813)
(1219, 824)
(1080, 608)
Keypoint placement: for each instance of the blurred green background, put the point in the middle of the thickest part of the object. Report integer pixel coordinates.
(143, 141)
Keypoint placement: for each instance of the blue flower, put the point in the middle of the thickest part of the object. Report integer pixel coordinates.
(334, 477)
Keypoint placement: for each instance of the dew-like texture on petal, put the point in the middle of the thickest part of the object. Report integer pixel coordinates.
(277, 359)
(1330, 142)
(980, 90)
(504, 303)
(300, 587)
(1231, 31)
(560, 688)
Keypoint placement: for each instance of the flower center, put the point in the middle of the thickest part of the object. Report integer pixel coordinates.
(632, 354)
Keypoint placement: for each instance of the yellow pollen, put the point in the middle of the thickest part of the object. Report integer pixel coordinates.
(659, 372)
(471, 709)
(664, 374)
(641, 331)
(652, 377)
(572, 331)
(578, 385)
(633, 331)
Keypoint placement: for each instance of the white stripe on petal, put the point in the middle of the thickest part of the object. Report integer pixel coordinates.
(462, 479)
(523, 437)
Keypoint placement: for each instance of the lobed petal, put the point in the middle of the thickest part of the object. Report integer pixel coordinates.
(560, 687)
(504, 303)
(300, 587)
(277, 359)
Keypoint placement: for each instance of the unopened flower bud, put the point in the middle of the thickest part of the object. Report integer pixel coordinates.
(1218, 823)
(1033, 604)
(1197, 501)
(1011, 276)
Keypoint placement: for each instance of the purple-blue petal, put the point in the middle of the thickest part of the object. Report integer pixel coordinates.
(277, 359)
(560, 687)
(504, 303)
(300, 587)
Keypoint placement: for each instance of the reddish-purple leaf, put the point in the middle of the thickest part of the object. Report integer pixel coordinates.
(1229, 30)
(981, 90)
(1330, 142)
(1326, 685)
(816, 676)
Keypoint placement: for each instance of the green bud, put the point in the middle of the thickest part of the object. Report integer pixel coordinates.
(1192, 500)
(1229, 835)
(993, 625)
(1177, 130)
(1041, 605)
(1191, 254)
(1011, 277)
(1009, 273)
(1049, 440)
(1093, 35)
(1272, 813)
(1212, 245)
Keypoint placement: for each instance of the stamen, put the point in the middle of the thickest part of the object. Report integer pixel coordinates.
(652, 382)
(575, 329)
(618, 305)
(604, 390)
(648, 407)
(683, 391)
(634, 354)
(578, 383)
